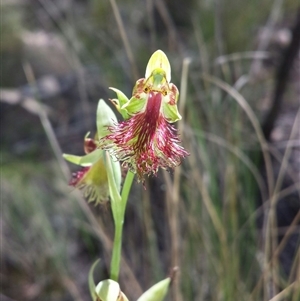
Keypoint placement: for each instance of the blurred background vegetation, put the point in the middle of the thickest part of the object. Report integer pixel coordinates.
(228, 217)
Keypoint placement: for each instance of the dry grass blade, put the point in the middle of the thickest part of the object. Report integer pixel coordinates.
(255, 123)
(271, 218)
(241, 156)
(286, 292)
(173, 192)
(124, 38)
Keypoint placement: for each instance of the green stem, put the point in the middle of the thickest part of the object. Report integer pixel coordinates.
(118, 209)
(116, 253)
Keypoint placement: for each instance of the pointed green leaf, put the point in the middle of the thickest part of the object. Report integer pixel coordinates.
(86, 160)
(159, 60)
(108, 290)
(92, 285)
(105, 117)
(157, 292)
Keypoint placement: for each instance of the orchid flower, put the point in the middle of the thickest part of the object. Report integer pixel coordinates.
(92, 178)
(146, 140)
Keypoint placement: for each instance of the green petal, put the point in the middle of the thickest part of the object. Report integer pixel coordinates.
(171, 113)
(159, 60)
(157, 292)
(120, 101)
(105, 117)
(86, 160)
(135, 105)
(122, 98)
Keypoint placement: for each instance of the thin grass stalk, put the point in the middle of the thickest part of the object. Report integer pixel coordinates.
(266, 37)
(175, 195)
(272, 204)
(155, 262)
(208, 203)
(287, 291)
(264, 148)
(151, 23)
(203, 52)
(282, 194)
(271, 230)
(224, 260)
(124, 38)
(286, 156)
(278, 156)
(177, 174)
(74, 47)
(245, 55)
(296, 272)
(68, 283)
(241, 156)
(255, 123)
(218, 22)
(292, 228)
(162, 9)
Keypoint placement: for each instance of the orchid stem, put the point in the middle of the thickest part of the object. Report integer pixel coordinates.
(118, 214)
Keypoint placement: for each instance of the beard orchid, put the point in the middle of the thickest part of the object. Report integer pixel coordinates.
(92, 178)
(146, 139)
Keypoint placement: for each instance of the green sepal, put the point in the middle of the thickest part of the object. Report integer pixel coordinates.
(135, 105)
(120, 102)
(171, 113)
(86, 160)
(105, 117)
(159, 60)
(157, 292)
(112, 183)
(92, 285)
(117, 173)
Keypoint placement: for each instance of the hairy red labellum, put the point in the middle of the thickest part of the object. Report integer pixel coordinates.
(146, 141)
